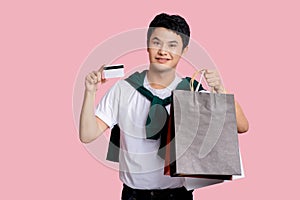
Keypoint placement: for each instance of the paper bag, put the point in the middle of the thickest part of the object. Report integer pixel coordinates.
(202, 136)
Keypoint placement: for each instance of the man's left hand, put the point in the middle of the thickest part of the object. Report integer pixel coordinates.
(214, 81)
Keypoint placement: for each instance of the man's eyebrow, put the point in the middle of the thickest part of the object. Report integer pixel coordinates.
(155, 38)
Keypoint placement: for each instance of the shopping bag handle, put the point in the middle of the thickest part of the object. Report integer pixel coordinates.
(214, 132)
(194, 77)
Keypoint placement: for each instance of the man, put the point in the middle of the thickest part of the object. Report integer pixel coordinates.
(141, 169)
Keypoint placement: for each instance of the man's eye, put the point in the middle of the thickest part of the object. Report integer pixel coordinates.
(156, 43)
(173, 46)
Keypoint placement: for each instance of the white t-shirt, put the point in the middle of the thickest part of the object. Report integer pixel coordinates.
(140, 166)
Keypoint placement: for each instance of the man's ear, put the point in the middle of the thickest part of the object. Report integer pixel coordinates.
(185, 50)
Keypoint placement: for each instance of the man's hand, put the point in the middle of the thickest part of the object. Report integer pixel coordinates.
(93, 78)
(214, 81)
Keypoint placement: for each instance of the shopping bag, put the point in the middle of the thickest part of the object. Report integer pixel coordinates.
(202, 136)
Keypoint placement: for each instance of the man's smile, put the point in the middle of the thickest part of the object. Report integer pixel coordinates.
(162, 60)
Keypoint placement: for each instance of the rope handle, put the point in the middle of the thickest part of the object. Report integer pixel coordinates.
(194, 77)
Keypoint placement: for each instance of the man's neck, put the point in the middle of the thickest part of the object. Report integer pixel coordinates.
(160, 80)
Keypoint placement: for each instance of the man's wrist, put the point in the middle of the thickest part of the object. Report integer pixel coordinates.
(221, 90)
(90, 92)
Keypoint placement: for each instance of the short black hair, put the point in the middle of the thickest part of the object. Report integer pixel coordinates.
(175, 23)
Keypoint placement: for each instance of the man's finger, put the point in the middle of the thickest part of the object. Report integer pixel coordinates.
(212, 79)
(212, 75)
(94, 75)
(99, 73)
(101, 68)
(99, 76)
(209, 71)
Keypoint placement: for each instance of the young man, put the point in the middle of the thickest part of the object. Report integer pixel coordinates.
(141, 168)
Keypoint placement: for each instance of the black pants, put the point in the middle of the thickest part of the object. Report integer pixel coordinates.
(166, 194)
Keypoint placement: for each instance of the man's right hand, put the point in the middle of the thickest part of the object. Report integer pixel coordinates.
(93, 78)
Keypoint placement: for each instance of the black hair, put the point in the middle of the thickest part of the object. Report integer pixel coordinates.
(175, 23)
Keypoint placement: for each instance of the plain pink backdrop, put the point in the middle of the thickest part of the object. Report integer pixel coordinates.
(255, 45)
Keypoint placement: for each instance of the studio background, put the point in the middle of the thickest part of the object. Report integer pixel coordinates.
(255, 45)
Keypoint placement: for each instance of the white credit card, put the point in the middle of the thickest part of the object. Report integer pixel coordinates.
(113, 71)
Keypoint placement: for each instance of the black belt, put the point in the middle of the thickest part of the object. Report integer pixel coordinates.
(158, 193)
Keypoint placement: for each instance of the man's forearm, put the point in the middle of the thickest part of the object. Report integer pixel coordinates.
(242, 122)
(88, 127)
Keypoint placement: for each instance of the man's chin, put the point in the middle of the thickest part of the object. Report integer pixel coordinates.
(161, 67)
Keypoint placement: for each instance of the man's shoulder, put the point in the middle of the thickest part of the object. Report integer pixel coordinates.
(122, 85)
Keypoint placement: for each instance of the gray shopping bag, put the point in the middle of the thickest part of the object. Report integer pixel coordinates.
(205, 142)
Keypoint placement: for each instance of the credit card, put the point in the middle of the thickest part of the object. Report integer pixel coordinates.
(113, 71)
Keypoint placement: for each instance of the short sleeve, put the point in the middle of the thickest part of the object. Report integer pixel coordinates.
(107, 109)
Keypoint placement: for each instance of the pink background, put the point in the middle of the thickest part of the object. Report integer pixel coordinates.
(43, 44)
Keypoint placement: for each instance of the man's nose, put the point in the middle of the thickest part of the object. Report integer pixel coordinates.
(163, 49)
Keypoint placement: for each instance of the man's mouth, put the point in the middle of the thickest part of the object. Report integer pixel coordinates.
(162, 60)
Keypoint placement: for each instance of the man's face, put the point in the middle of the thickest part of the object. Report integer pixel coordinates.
(165, 49)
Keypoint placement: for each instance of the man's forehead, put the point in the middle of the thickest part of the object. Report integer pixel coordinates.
(165, 34)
